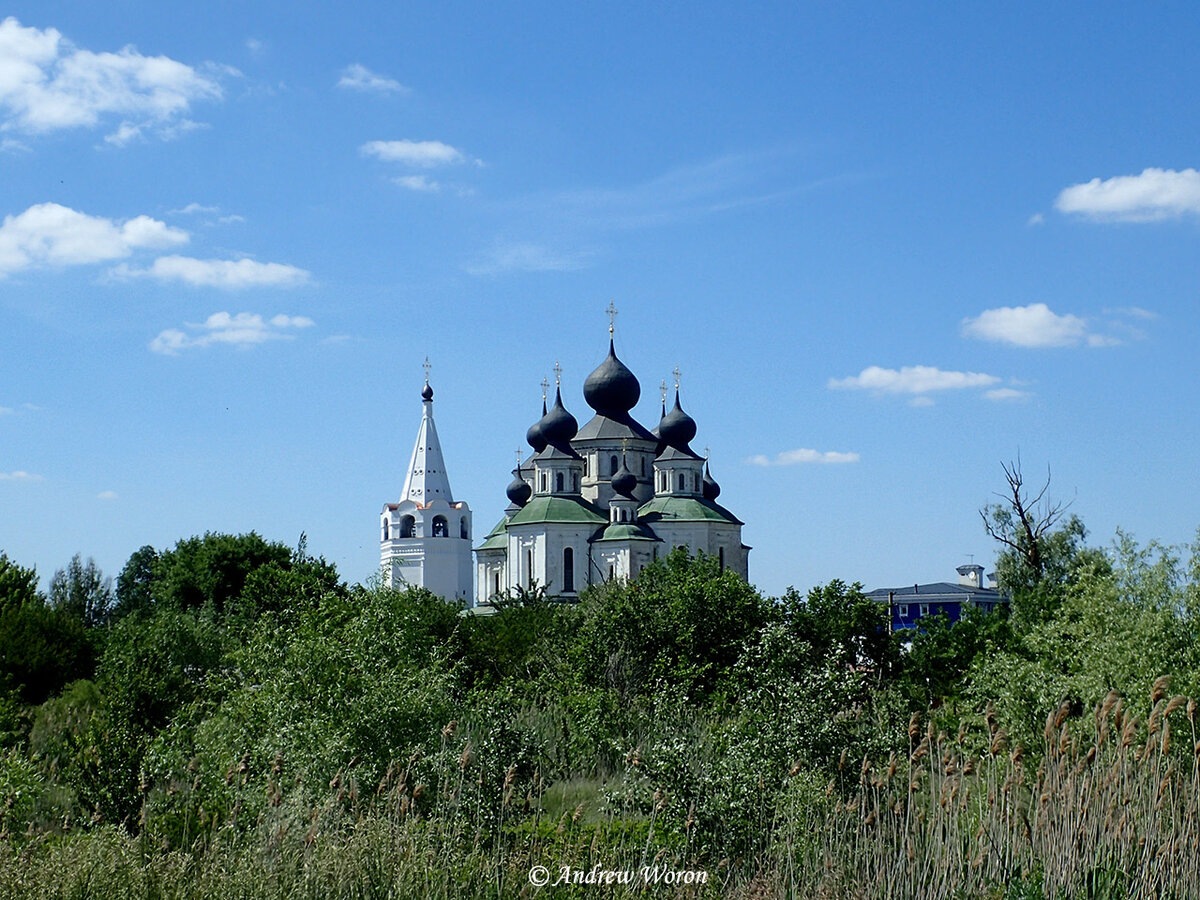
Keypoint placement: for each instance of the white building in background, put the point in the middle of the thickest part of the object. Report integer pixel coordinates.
(425, 538)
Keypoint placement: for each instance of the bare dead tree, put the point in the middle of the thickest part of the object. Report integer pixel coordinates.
(1022, 521)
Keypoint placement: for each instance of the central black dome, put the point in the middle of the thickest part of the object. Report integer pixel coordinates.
(677, 428)
(612, 390)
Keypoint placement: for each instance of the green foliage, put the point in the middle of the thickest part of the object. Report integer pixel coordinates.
(18, 585)
(942, 652)
(81, 591)
(212, 569)
(682, 622)
(41, 649)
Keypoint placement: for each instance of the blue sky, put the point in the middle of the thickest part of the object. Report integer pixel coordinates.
(888, 245)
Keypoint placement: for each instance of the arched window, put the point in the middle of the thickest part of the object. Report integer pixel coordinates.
(558, 481)
(441, 527)
(575, 481)
(720, 559)
(496, 583)
(462, 528)
(612, 571)
(568, 570)
(385, 529)
(615, 463)
(407, 525)
(643, 465)
(529, 569)
(681, 481)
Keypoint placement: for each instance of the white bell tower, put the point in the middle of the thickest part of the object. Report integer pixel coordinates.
(425, 538)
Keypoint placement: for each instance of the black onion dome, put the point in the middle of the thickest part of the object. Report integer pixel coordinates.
(612, 390)
(519, 490)
(534, 436)
(427, 392)
(711, 490)
(623, 481)
(558, 425)
(677, 428)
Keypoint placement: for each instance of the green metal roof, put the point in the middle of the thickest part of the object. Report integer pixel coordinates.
(626, 531)
(566, 510)
(497, 538)
(685, 509)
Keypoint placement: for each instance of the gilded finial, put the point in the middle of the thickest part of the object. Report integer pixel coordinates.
(557, 374)
(518, 452)
(545, 387)
(426, 366)
(663, 387)
(676, 373)
(612, 317)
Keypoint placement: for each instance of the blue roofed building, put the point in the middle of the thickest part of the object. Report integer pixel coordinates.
(908, 605)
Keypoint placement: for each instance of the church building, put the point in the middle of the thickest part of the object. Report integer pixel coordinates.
(586, 506)
(600, 502)
(426, 536)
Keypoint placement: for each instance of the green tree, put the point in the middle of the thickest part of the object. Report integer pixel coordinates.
(135, 584)
(82, 591)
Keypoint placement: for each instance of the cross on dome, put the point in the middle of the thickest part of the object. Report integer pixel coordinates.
(612, 317)
(676, 373)
(545, 387)
(557, 374)
(426, 366)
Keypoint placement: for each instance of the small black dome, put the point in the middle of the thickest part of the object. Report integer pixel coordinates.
(612, 390)
(711, 489)
(623, 481)
(558, 425)
(519, 490)
(534, 436)
(677, 428)
(427, 392)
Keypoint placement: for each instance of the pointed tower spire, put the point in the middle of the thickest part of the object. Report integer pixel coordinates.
(426, 480)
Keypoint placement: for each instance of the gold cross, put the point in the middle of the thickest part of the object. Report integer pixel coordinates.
(557, 374)
(612, 317)
(518, 459)
(663, 387)
(545, 387)
(426, 366)
(676, 373)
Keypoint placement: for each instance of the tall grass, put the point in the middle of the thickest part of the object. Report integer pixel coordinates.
(1106, 807)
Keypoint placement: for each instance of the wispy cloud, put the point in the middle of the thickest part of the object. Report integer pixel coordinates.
(48, 84)
(418, 183)
(241, 330)
(1006, 395)
(107, 495)
(915, 380)
(19, 476)
(420, 154)
(357, 77)
(50, 234)
(1153, 195)
(802, 456)
(526, 257)
(227, 274)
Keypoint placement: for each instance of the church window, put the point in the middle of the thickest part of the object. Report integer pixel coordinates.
(462, 528)
(440, 527)
(568, 570)
(385, 529)
(529, 569)
(696, 482)
(407, 526)
(614, 463)
(586, 459)
(643, 465)
(575, 481)
(496, 582)
(612, 571)
(681, 481)
(558, 481)
(720, 559)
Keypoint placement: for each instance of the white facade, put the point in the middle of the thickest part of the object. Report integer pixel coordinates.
(425, 537)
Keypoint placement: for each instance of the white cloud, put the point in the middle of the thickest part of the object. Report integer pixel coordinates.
(417, 183)
(1133, 312)
(107, 495)
(1035, 325)
(242, 330)
(228, 274)
(1036, 219)
(912, 380)
(56, 235)
(6, 410)
(803, 455)
(19, 476)
(360, 78)
(1149, 197)
(524, 257)
(423, 154)
(47, 84)
(921, 400)
(1000, 395)
(194, 209)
